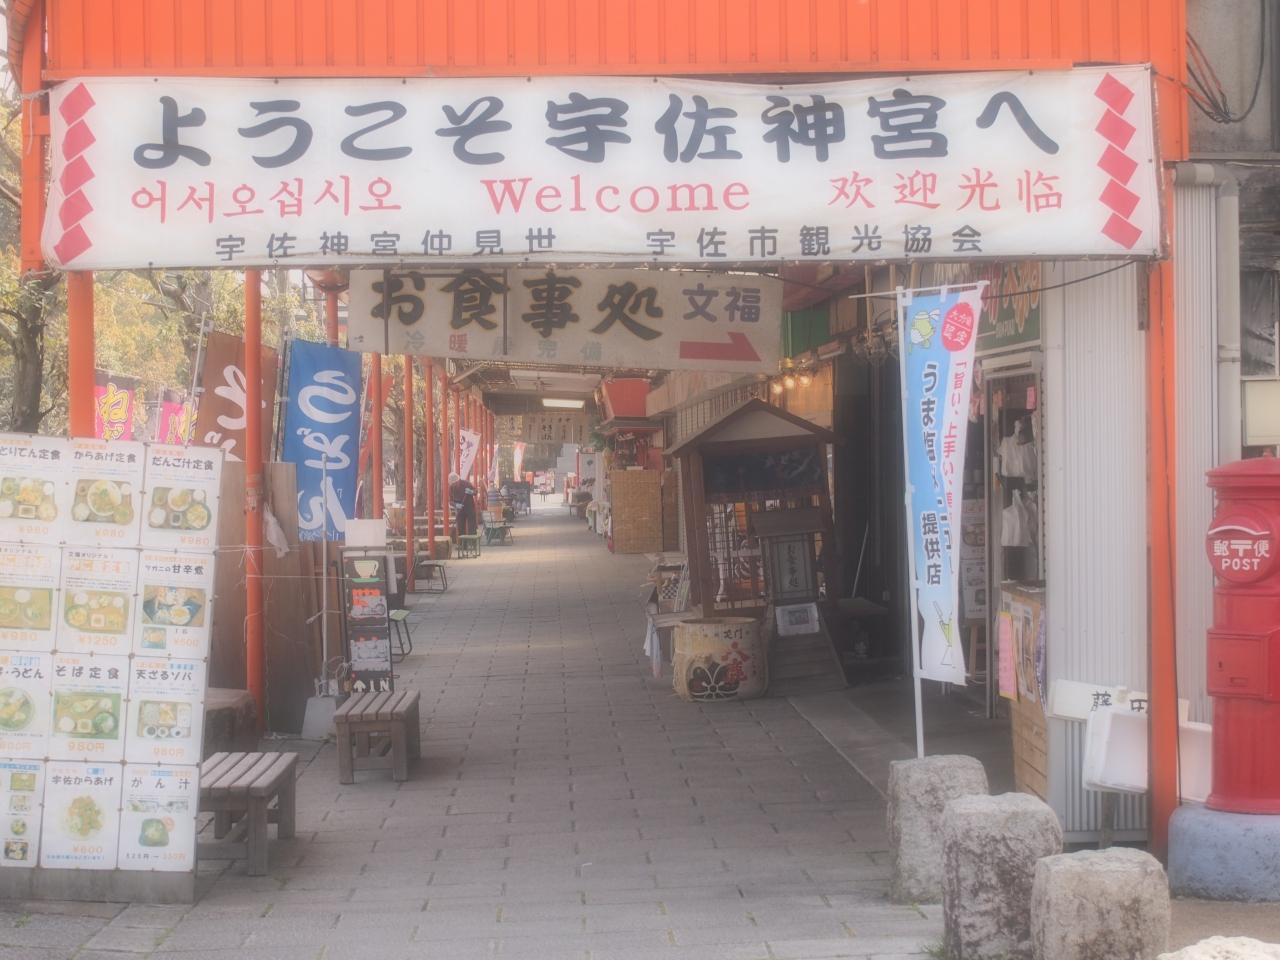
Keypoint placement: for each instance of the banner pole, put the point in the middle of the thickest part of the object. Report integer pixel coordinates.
(255, 676)
(903, 301)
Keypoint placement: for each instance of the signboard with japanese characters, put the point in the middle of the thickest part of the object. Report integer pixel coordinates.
(28, 596)
(117, 401)
(368, 625)
(33, 488)
(180, 505)
(173, 610)
(21, 801)
(24, 704)
(209, 172)
(106, 492)
(220, 418)
(165, 716)
(81, 822)
(158, 818)
(88, 707)
(665, 319)
(937, 335)
(96, 614)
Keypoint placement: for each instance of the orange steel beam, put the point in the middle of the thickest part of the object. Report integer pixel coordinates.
(375, 434)
(429, 435)
(35, 132)
(409, 522)
(255, 661)
(80, 400)
(331, 316)
(1162, 541)
(446, 465)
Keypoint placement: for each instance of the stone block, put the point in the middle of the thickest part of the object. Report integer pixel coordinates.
(1100, 905)
(1226, 948)
(918, 790)
(1224, 856)
(990, 846)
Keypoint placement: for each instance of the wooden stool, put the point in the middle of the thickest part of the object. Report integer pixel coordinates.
(378, 731)
(238, 788)
(468, 545)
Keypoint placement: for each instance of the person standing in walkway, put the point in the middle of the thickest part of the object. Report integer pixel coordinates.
(462, 497)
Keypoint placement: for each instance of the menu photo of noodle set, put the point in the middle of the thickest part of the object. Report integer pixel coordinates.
(106, 609)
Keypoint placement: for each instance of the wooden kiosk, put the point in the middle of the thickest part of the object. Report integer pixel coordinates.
(758, 535)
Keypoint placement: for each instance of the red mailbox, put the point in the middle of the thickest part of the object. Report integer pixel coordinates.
(1244, 643)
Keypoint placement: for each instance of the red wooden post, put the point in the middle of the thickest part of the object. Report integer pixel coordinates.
(375, 434)
(80, 401)
(428, 375)
(255, 660)
(409, 524)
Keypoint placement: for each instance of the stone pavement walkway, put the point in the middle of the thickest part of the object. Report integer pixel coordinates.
(567, 806)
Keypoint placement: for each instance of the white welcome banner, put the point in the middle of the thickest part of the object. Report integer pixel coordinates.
(209, 172)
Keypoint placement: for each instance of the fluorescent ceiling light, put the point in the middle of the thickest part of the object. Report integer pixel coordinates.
(556, 404)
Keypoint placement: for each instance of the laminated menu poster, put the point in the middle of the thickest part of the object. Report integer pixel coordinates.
(24, 704)
(173, 611)
(81, 823)
(106, 492)
(98, 586)
(33, 488)
(368, 626)
(88, 707)
(28, 596)
(180, 497)
(21, 796)
(158, 818)
(166, 710)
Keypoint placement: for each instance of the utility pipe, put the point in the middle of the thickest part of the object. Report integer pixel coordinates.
(255, 659)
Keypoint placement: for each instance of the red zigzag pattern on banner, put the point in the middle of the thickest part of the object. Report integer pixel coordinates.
(1116, 163)
(75, 206)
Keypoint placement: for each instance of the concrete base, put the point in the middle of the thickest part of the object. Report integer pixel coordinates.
(105, 886)
(1224, 856)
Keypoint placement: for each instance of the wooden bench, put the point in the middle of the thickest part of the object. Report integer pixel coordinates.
(238, 789)
(378, 731)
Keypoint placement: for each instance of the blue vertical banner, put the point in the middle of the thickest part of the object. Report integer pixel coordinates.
(937, 331)
(322, 435)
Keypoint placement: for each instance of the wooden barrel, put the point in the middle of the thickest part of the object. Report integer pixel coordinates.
(720, 658)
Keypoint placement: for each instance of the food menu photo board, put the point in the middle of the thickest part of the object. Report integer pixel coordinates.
(106, 492)
(28, 596)
(81, 823)
(180, 497)
(172, 611)
(98, 587)
(88, 707)
(24, 704)
(33, 488)
(368, 626)
(158, 818)
(21, 799)
(166, 717)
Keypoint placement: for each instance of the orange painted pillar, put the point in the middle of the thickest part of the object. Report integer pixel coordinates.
(255, 654)
(409, 523)
(375, 434)
(80, 353)
(331, 315)
(429, 434)
(1161, 535)
(446, 466)
(457, 432)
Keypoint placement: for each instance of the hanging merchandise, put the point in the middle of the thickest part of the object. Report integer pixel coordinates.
(1016, 523)
(936, 344)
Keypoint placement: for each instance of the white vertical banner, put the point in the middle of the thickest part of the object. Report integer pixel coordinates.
(469, 446)
(937, 333)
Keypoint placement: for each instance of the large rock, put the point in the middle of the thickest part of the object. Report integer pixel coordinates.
(918, 790)
(1226, 948)
(990, 846)
(1100, 905)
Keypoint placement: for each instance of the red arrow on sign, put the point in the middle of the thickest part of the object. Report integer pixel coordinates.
(738, 348)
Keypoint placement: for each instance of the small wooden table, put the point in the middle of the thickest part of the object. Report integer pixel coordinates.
(378, 731)
(238, 788)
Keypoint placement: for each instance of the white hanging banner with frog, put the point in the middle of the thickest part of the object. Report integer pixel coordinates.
(622, 319)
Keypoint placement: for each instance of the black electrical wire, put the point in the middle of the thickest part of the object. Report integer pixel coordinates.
(1213, 102)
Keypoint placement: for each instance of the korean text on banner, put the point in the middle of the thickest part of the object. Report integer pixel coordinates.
(469, 442)
(219, 172)
(321, 435)
(596, 317)
(937, 333)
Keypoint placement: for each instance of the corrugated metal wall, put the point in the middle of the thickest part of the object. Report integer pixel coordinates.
(1195, 266)
(1095, 511)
